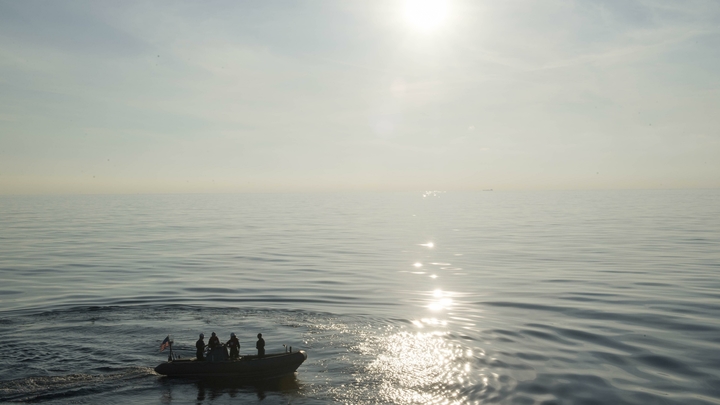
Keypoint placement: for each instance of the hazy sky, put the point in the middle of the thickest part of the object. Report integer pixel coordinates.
(229, 96)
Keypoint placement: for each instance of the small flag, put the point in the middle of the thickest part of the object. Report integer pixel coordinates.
(165, 343)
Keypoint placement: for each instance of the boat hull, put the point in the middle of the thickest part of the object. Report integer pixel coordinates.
(247, 367)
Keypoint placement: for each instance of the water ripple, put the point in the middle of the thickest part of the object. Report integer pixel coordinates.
(525, 298)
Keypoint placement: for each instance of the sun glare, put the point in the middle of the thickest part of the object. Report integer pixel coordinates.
(425, 15)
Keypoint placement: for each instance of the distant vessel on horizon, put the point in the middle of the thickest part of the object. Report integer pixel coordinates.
(488, 189)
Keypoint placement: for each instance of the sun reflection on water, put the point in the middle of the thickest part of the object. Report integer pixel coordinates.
(441, 300)
(426, 361)
(421, 367)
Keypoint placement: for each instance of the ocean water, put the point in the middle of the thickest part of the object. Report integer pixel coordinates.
(585, 297)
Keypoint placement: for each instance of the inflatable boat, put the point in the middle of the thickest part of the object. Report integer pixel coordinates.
(218, 364)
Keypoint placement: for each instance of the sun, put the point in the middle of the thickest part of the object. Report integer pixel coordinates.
(425, 15)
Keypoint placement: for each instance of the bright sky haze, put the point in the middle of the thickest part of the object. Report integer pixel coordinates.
(236, 96)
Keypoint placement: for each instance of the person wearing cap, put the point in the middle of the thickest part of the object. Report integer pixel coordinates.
(234, 345)
(260, 345)
(214, 341)
(199, 347)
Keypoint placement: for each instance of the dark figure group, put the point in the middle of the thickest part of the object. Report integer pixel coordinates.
(233, 344)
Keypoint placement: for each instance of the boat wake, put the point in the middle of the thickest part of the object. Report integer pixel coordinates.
(45, 388)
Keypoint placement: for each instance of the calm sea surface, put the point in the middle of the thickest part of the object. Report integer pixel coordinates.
(597, 297)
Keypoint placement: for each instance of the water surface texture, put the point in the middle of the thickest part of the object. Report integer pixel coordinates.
(593, 297)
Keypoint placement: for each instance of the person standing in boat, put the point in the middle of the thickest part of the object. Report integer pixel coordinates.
(214, 341)
(199, 347)
(234, 345)
(260, 345)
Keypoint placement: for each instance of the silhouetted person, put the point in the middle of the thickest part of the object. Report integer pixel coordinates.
(234, 345)
(214, 341)
(199, 347)
(260, 345)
